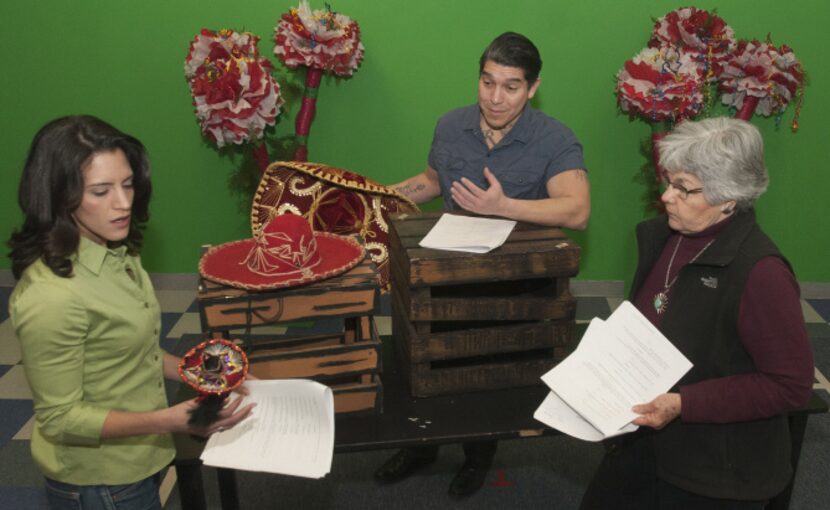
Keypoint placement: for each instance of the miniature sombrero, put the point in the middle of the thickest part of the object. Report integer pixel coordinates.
(332, 200)
(214, 367)
(284, 253)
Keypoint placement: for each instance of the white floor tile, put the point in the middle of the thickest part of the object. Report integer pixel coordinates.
(175, 300)
(810, 315)
(384, 325)
(13, 385)
(9, 346)
(614, 302)
(188, 323)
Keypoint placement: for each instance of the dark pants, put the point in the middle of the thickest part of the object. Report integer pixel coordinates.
(627, 480)
(479, 453)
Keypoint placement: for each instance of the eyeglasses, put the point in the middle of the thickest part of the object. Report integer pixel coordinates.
(681, 190)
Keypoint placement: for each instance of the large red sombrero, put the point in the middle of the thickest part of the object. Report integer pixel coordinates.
(332, 200)
(285, 253)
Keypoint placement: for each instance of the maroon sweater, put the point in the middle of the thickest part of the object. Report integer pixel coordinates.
(771, 328)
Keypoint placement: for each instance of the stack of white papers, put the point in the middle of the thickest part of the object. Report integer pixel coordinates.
(290, 431)
(618, 364)
(467, 233)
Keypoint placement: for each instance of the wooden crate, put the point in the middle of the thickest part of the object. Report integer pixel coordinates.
(348, 360)
(353, 293)
(465, 322)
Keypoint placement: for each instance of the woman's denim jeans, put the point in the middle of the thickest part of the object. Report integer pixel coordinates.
(143, 495)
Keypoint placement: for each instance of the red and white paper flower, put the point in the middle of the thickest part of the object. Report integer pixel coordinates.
(698, 32)
(233, 91)
(661, 84)
(760, 70)
(321, 39)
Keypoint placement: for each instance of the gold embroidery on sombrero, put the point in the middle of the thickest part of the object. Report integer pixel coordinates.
(294, 185)
(269, 192)
(377, 205)
(277, 245)
(283, 209)
(377, 251)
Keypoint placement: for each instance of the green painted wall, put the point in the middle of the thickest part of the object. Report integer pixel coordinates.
(123, 61)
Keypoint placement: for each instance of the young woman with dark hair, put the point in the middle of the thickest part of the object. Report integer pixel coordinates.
(88, 322)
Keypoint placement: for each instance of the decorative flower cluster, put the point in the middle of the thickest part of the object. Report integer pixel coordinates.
(320, 39)
(661, 84)
(698, 33)
(690, 49)
(760, 70)
(233, 91)
(667, 80)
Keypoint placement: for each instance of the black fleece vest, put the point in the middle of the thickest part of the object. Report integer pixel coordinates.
(747, 460)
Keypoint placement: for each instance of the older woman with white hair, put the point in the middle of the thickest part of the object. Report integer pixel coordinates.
(718, 288)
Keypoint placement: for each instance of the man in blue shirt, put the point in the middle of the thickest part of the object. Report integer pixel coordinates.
(499, 157)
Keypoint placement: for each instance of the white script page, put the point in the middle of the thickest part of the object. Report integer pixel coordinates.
(555, 413)
(290, 431)
(467, 233)
(623, 362)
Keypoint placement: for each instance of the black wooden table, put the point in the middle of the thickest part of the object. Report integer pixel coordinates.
(408, 421)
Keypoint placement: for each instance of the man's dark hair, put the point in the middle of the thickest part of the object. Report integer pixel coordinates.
(52, 188)
(514, 50)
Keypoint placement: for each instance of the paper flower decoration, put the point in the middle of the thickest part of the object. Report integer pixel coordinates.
(661, 84)
(700, 33)
(321, 39)
(770, 75)
(233, 91)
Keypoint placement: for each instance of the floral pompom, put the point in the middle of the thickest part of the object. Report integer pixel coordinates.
(772, 75)
(322, 39)
(233, 91)
(698, 32)
(661, 84)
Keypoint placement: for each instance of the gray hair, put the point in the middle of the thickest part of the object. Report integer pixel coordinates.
(725, 154)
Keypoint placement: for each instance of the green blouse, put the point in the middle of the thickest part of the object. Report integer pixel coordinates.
(90, 344)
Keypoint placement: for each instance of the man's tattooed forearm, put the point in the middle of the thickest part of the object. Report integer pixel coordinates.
(408, 190)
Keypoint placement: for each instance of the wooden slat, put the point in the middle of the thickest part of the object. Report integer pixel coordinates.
(484, 308)
(426, 382)
(423, 345)
(543, 260)
(483, 341)
(399, 281)
(286, 344)
(260, 309)
(398, 259)
(363, 398)
(316, 362)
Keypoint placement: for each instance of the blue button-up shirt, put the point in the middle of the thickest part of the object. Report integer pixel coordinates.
(535, 150)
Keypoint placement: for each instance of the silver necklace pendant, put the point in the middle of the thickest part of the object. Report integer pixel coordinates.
(661, 301)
